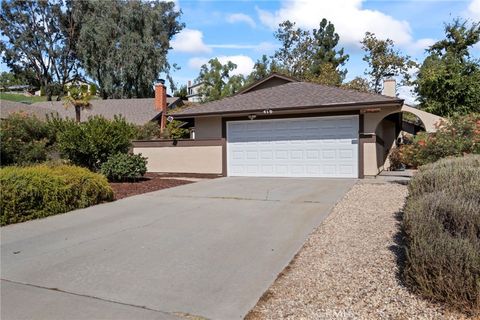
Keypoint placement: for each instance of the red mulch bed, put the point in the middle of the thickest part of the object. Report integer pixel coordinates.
(149, 183)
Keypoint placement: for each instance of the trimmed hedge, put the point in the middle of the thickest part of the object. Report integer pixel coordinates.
(124, 167)
(442, 227)
(40, 191)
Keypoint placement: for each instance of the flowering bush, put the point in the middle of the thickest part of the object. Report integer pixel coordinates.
(457, 137)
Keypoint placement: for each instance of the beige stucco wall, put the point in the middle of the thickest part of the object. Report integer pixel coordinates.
(430, 121)
(371, 156)
(373, 152)
(201, 159)
(386, 131)
(208, 128)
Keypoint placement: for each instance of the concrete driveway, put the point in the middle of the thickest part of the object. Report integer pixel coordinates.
(208, 249)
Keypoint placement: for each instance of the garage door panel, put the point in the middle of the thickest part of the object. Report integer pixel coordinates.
(317, 147)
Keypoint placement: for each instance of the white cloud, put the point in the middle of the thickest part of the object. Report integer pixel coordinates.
(241, 17)
(263, 47)
(473, 10)
(350, 19)
(244, 63)
(408, 93)
(421, 45)
(190, 40)
(197, 62)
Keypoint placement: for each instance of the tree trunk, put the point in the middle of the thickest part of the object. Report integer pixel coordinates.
(77, 113)
(48, 90)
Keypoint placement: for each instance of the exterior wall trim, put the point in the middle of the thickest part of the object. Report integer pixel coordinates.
(177, 143)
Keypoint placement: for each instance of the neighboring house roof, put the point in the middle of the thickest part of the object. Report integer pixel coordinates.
(288, 96)
(8, 107)
(138, 111)
(19, 87)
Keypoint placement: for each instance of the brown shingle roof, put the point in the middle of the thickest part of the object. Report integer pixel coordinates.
(287, 96)
(138, 111)
(8, 107)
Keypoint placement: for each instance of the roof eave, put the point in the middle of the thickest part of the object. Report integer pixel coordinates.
(355, 105)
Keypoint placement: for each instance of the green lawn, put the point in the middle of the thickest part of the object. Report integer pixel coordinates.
(21, 98)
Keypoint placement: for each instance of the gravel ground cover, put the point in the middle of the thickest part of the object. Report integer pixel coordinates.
(349, 266)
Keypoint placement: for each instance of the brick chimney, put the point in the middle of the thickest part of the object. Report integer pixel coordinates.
(389, 87)
(161, 101)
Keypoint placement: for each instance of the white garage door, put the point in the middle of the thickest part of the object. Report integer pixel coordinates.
(301, 147)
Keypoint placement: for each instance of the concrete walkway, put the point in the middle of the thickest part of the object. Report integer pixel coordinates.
(208, 249)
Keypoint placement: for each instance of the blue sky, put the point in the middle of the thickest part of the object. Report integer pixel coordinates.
(242, 31)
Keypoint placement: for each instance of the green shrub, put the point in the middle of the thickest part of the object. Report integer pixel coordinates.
(54, 89)
(91, 143)
(124, 167)
(93, 90)
(148, 131)
(24, 139)
(84, 88)
(173, 130)
(40, 191)
(442, 228)
(459, 136)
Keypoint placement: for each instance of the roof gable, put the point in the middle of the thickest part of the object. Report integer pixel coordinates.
(272, 80)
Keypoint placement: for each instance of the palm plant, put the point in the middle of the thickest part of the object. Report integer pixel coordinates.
(79, 99)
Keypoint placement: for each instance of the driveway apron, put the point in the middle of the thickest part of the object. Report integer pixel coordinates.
(208, 249)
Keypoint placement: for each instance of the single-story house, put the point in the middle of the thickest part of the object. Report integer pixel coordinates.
(137, 111)
(281, 127)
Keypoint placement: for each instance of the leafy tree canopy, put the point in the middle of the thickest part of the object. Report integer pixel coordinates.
(359, 84)
(217, 80)
(39, 37)
(262, 68)
(448, 82)
(311, 55)
(123, 44)
(181, 92)
(10, 79)
(384, 60)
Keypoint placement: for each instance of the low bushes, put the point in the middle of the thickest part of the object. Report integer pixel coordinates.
(91, 143)
(173, 130)
(148, 131)
(459, 136)
(442, 227)
(40, 191)
(24, 139)
(124, 167)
